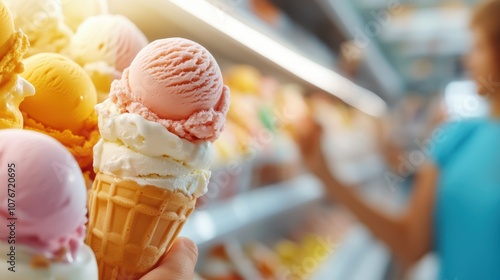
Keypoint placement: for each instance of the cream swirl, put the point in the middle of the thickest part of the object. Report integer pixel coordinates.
(150, 138)
(144, 151)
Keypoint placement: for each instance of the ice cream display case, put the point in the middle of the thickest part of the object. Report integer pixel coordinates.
(182, 116)
(244, 202)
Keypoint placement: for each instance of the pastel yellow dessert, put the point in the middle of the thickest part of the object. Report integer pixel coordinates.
(13, 89)
(244, 78)
(291, 108)
(76, 11)
(230, 145)
(42, 21)
(245, 84)
(63, 106)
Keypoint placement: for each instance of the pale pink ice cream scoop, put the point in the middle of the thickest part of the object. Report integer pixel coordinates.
(177, 83)
(50, 193)
(113, 39)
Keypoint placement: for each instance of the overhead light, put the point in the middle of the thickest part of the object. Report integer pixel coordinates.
(298, 65)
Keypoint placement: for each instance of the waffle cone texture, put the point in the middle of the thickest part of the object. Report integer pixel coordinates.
(131, 226)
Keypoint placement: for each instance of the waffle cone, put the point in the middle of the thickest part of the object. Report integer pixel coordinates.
(131, 226)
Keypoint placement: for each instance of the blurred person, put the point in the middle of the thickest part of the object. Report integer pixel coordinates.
(178, 263)
(455, 206)
(408, 124)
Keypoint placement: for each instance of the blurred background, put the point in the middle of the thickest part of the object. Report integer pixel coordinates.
(380, 75)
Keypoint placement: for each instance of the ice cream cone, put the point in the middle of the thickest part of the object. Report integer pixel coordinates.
(131, 226)
(157, 130)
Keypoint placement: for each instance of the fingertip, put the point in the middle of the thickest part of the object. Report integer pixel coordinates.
(178, 263)
(183, 249)
(182, 239)
(188, 246)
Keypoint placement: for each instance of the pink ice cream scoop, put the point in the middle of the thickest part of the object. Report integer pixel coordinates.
(48, 190)
(177, 83)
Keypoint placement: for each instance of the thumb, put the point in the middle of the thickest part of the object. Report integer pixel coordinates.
(178, 263)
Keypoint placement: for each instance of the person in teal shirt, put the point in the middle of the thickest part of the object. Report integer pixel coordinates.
(466, 219)
(454, 209)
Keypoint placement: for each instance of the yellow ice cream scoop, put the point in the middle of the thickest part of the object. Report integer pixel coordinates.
(244, 79)
(6, 29)
(13, 45)
(65, 93)
(63, 106)
(13, 89)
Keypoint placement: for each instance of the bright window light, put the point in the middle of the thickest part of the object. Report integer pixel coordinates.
(462, 101)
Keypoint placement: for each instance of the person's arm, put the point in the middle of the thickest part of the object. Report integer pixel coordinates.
(409, 236)
(178, 263)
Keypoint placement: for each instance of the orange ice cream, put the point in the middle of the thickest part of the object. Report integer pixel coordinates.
(63, 106)
(13, 45)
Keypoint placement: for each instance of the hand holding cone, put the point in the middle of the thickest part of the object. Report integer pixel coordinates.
(153, 160)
